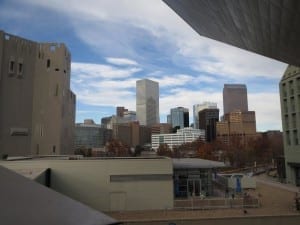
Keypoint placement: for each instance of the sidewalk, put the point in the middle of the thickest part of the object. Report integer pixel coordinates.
(265, 179)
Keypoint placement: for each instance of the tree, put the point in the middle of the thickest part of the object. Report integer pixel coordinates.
(117, 148)
(206, 151)
(138, 150)
(164, 150)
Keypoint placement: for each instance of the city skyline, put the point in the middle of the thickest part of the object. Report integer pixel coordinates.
(115, 43)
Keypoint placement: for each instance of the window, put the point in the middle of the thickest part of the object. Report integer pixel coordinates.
(296, 142)
(291, 87)
(288, 140)
(294, 120)
(48, 63)
(52, 48)
(284, 90)
(285, 106)
(293, 104)
(11, 68)
(6, 37)
(53, 148)
(41, 131)
(20, 68)
(286, 122)
(56, 90)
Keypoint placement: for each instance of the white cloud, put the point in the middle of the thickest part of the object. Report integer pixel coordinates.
(173, 80)
(120, 28)
(121, 61)
(267, 109)
(114, 26)
(89, 70)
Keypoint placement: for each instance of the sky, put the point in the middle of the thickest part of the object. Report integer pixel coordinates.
(114, 43)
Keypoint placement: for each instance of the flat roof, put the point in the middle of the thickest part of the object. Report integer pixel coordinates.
(196, 163)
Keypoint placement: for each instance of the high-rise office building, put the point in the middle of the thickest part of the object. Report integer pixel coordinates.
(235, 98)
(37, 113)
(179, 117)
(290, 113)
(161, 128)
(199, 107)
(132, 133)
(120, 110)
(147, 102)
(207, 121)
(91, 135)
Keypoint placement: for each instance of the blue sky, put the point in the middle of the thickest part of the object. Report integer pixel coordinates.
(116, 42)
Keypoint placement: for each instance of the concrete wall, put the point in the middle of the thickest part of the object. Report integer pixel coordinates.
(290, 108)
(138, 184)
(35, 98)
(16, 93)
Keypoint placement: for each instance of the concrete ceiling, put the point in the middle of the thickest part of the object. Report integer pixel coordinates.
(267, 27)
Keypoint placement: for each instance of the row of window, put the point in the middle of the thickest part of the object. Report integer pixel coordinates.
(290, 121)
(289, 87)
(292, 137)
(15, 67)
(291, 105)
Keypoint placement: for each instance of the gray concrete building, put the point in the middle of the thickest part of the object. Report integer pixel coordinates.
(235, 98)
(290, 112)
(37, 113)
(147, 102)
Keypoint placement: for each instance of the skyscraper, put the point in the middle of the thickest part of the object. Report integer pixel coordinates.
(207, 121)
(147, 102)
(179, 117)
(199, 107)
(290, 110)
(235, 98)
(37, 113)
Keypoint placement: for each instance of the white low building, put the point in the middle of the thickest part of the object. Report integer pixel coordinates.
(185, 135)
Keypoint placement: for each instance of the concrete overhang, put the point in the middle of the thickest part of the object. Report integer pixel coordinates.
(25, 202)
(266, 27)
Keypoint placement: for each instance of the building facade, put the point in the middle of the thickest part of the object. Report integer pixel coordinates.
(182, 136)
(147, 102)
(109, 184)
(132, 133)
(37, 113)
(235, 98)
(237, 124)
(199, 107)
(290, 112)
(179, 117)
(91, 135)
(130, 116)
(208, 119)
(120, 110)
(161, 128)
